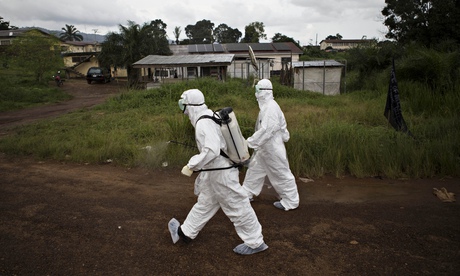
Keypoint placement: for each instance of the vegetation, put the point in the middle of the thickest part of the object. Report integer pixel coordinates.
(283, 38)
(36, 53)
(225, 34)
(18, 89)
(5, 25)
(254, 32)
(70, 33)
(337, 36)
(201, 32)
(345, 134)
(133, 43)
(424, 22)
(176, 32)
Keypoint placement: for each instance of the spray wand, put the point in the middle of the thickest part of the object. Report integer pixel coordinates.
(180, 143)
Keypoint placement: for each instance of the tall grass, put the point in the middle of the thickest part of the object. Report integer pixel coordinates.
(344, 134)
(17, 90)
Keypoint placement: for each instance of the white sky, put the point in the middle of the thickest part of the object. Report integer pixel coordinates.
(307, 21)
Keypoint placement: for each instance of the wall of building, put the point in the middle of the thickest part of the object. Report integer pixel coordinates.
(324, 80)
(243, 69)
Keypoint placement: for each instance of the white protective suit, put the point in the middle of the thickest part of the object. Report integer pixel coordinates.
(270, 158)
(218, 188)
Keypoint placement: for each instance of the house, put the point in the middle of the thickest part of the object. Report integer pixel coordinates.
(7, 36)
(322, 76)
(180, 67)
(270, 58)
(344, 44)
(79, 56)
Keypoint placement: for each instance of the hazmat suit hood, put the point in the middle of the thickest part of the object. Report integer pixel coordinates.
(264, 92)
(192, 104)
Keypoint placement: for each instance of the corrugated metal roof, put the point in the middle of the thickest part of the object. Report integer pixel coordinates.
(18, 32)
(317, 63)
(185, 60)
(237, 48)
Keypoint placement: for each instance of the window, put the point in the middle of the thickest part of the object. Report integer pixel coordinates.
(162, 73)
(191, 71)
(285, 60)
(94, 71)
(78, 59)
(5, 42)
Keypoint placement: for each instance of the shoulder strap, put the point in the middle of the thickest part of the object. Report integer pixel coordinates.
(218, 121)
(215, 119)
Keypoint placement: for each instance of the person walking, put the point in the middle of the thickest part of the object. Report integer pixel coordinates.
(215, 188)
(270, 158)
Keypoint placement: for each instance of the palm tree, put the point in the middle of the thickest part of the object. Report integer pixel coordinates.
(133, 43)
(70, 33)
(176, 33)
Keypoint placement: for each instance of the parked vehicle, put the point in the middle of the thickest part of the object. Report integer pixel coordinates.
(59, 81)
(98, 74)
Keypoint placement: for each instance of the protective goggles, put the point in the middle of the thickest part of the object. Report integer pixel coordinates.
(258, 89)
(183, 106)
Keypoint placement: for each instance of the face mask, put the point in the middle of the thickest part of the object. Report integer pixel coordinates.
(257, 89)
(182, 106)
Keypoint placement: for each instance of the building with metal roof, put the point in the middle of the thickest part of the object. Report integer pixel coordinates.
(161, 69)
(196, 60)
(322, 76)
(345, 44)
(184, 60)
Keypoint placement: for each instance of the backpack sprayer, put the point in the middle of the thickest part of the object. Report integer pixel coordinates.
(237, 148)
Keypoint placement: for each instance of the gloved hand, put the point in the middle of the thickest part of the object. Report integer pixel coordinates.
(186, 171)
(248, 143)
(285, 135)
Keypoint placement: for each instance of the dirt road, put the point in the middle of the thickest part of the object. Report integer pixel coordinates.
(75, 219)
(84, 96)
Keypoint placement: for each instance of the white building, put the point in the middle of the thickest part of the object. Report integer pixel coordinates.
(322, 76)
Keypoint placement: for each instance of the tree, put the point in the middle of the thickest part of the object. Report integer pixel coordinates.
(176, 33)
(5, 25)
(133, 43)
(254, 32)
(70, 33)
(337, 36)
(282, 38)
(159, 38)
(201, 32)
(225, 34)
(426, 22)
(36, 52)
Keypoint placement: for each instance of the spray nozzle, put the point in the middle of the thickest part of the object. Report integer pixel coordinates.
(224, 114)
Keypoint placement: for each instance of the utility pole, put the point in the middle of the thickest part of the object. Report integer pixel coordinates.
(95, 32)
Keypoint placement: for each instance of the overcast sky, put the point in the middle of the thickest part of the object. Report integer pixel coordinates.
(307, 21)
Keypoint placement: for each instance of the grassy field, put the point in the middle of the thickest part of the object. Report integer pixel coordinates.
(17, 90)
(336, 135)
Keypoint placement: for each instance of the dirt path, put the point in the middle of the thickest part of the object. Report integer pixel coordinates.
(84, 96)
(75, 219)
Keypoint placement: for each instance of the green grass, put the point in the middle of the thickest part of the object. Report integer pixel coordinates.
(330, 135)
(17, 90)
